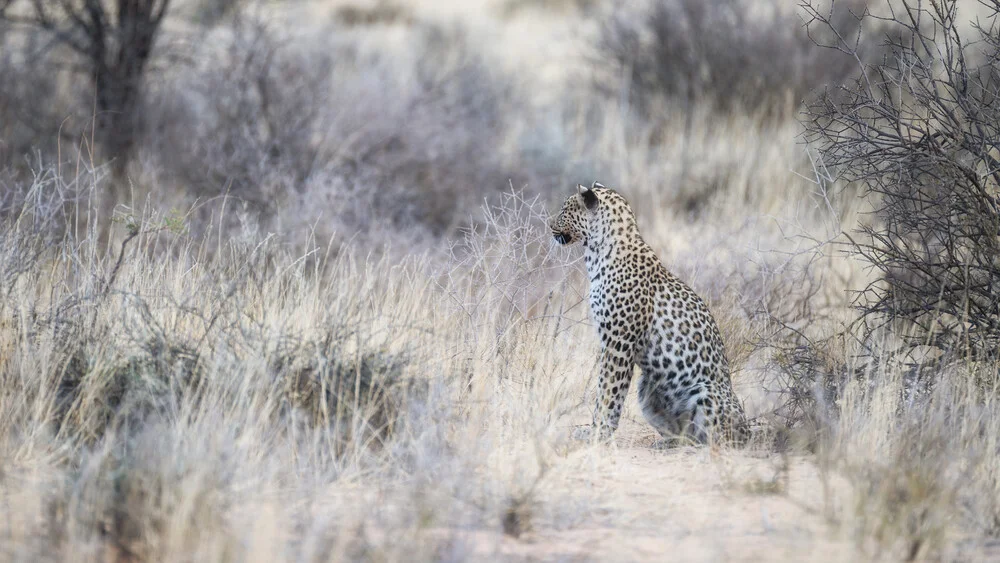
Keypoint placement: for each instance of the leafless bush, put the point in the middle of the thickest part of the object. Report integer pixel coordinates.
(801, 369)
(800, 355)
(247, 123)
(367, 137)
(919, 131)
(437, 158)
(507, 271)
(738, 55)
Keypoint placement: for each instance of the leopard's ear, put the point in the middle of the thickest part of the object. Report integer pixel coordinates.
(597, 185)
(589, 197)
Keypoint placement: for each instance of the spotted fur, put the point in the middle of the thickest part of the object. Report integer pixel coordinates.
(645, 316)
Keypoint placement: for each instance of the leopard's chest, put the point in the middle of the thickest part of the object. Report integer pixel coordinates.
(613, 300)
(600, 301)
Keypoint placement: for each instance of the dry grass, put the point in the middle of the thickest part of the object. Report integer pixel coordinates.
(357, 358)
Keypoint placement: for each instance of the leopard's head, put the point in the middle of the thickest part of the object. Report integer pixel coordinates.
(572, 223)
(591, 215)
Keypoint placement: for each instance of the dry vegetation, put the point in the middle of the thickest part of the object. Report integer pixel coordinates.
(313, 312)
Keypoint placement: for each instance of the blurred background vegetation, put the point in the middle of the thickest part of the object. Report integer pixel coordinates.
(397, 116)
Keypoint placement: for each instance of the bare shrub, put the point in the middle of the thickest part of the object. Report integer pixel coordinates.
(918, 131)
(506, 272)
(737, 55)
(435, 160)
(247, 123)
(370, 138)
(807, 376)
(794, 294)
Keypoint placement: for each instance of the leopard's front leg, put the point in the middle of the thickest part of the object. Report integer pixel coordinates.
(621, 319)
(615, 379)
(616, 366)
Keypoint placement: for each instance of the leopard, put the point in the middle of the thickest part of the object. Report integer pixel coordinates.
(646, 316)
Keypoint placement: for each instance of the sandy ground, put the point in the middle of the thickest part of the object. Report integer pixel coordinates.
(690, 504)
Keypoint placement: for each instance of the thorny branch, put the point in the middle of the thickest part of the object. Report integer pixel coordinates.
(920, 132)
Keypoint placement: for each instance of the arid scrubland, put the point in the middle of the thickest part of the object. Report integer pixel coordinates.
(315, 314)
